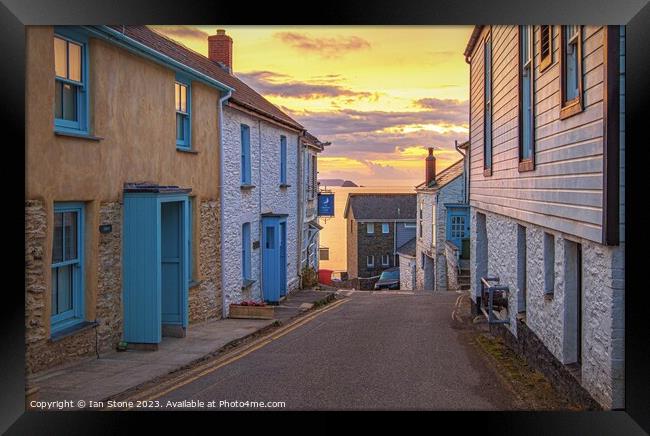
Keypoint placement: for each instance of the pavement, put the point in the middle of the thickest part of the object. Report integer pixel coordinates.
(374, 351)
(95, 379)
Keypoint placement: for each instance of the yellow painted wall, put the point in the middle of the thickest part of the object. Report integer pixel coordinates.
(132, 109)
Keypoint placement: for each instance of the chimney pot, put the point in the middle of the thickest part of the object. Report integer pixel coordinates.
(430, 168)
(220, 49)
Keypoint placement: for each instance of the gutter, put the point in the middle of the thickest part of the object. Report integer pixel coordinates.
(472, 42)
(224, 308)
(130, 44)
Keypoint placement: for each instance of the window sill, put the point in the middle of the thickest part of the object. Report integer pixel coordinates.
(284, 185)
(194, 283)
(571, 108)
(545, 63)
(79, 327)
(78, 135)
(487, 172)
(186, 150)
(526, 165)
(245, 187)
(247, 283)
(548, 296)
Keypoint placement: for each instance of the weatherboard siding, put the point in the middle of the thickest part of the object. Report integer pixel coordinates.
(565, 190)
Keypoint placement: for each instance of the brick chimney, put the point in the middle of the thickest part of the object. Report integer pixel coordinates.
(220, 49)
(430, 167)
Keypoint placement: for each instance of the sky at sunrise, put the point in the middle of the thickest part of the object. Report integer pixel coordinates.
(380, 95)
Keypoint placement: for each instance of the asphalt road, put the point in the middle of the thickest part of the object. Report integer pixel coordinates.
(376, 351)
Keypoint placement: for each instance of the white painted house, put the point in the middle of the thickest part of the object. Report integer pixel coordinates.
(546, 192)
(309, 240)
(442, 219)
(263, 204)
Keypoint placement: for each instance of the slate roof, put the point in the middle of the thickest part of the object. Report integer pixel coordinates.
(312, 140)
(382, 206)
(445, 176)
(408, 249)
(243, 95)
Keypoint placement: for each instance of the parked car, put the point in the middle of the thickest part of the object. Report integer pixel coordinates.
(389, 279)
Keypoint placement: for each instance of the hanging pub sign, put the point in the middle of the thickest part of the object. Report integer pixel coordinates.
(325, 204)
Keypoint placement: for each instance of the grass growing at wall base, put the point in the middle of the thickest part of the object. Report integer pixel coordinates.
(532, 388)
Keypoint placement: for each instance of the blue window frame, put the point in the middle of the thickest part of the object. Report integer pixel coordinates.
(487, 107)
(246, 251)
(526, 99)
(183, 104)
(245, 155)
(283, 160)
(571, 70)
(190, 239)
(71, 81)
(67, 306)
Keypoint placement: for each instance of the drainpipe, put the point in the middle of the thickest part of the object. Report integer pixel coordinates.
(224, 308)
(259, 202)
(299, 209)
(395, 239)
(465, 175)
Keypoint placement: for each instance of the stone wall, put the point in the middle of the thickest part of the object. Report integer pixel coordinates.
(205, 300)
(552, 317)
(452, 192)
(406, 273)
(451, 251)
(532, 349)
(103, 306)
(352, 228)
(109, 277)
(424, 241)
(36, 319)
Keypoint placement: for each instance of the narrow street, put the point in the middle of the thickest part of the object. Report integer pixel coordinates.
(372, 351)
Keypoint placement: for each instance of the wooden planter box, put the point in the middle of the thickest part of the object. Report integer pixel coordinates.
(252, 312)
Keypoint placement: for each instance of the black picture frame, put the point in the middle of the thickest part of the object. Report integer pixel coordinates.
(15, 14)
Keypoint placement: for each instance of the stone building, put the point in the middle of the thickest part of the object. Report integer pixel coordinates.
(130, 142)
(122, 209)
(546, 194)
(377, 224)
(309, 236)
(407, 266)
(267, 190)
(442, 221)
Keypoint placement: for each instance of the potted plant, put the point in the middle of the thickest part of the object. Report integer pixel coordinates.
(251, 310)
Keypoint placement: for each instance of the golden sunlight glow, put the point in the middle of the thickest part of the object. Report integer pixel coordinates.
(379, 94)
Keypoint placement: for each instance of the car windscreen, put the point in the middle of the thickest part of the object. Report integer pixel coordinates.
(389, 275)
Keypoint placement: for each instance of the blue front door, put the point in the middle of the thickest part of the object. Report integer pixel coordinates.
(171, 262)
(155, 264)
(457, 225)
(274, 265)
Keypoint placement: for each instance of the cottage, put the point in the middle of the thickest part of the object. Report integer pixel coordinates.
(122, 202)
(309, 237)
(377, 224)
(269, 189)
(546, 193)
(145, 162)
(442, 247)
